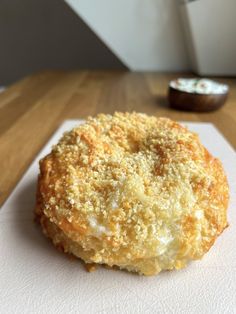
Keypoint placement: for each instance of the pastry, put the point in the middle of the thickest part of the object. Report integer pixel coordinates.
(133, 191)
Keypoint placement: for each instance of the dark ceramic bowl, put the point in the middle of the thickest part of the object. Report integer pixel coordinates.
(195, 102)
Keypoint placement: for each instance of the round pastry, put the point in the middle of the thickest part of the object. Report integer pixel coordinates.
(134, 191)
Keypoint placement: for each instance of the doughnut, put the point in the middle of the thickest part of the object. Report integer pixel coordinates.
(132, 191)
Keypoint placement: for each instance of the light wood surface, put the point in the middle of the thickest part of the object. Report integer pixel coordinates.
(33, 108)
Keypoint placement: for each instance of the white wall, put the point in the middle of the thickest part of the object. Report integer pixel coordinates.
(144, 34)
(211, 36)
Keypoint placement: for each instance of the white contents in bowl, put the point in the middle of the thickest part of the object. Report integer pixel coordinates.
(199, 86)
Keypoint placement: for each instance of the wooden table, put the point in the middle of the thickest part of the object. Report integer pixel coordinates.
(32, 109)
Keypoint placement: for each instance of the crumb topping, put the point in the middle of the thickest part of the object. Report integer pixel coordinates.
(131, 178)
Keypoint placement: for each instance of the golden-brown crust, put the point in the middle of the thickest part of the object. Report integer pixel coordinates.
(134, 191)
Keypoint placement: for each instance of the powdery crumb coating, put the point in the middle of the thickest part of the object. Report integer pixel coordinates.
(134, 191)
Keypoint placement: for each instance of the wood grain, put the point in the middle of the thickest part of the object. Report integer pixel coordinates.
(33, 108)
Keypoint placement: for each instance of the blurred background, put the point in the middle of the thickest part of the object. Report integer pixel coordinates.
(151, 35)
